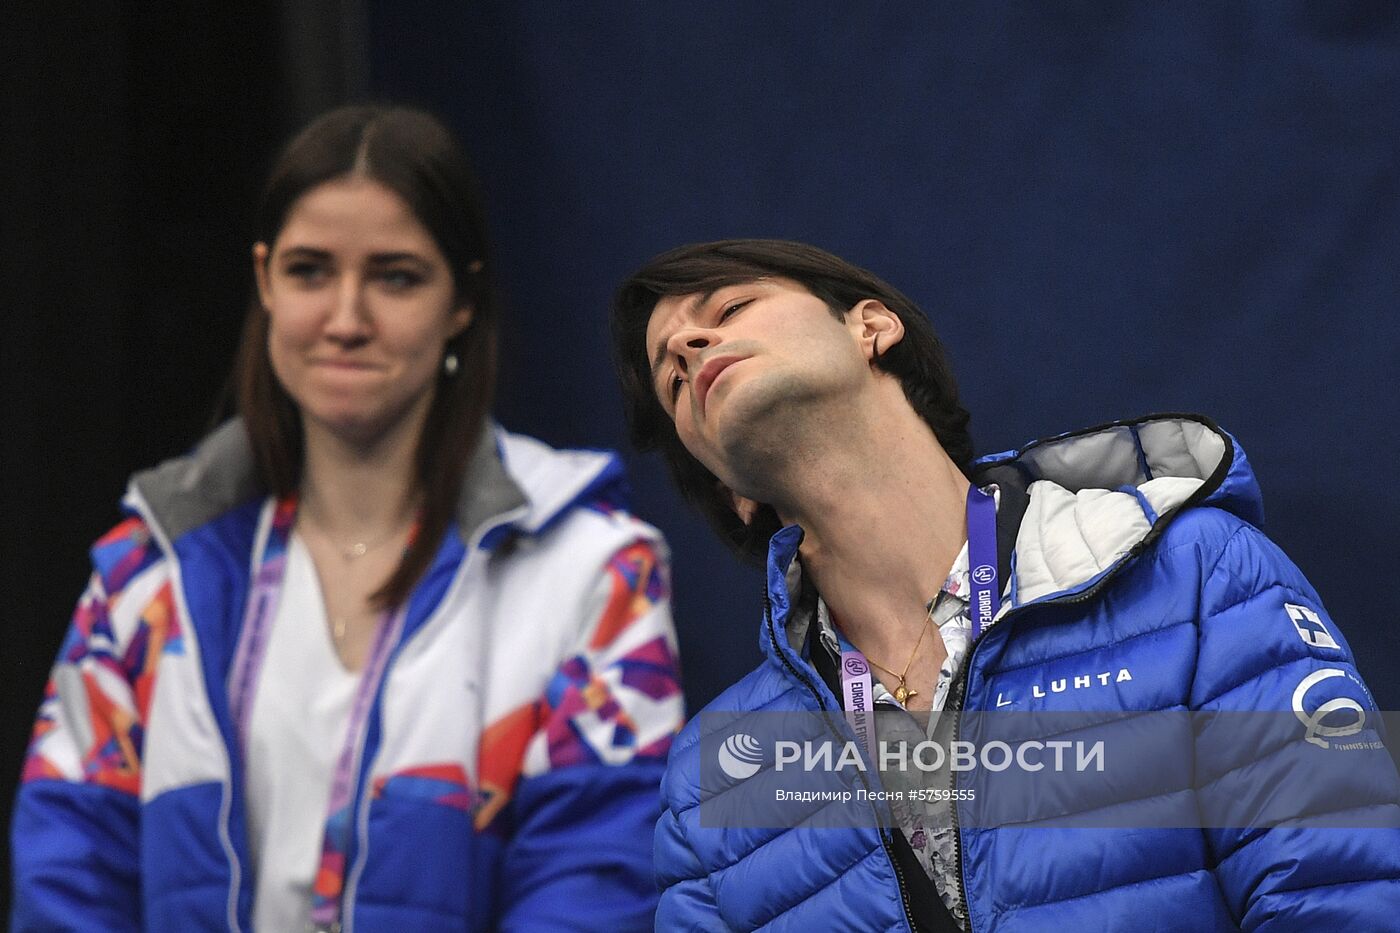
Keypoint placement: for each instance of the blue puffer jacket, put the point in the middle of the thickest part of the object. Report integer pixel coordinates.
(1138, 551)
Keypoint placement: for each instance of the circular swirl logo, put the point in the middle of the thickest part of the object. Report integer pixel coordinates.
(1314, 730)
(740, 756)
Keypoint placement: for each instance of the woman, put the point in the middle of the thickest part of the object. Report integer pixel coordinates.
(362, 659)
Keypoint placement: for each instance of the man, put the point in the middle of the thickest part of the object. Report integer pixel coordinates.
(806, 408)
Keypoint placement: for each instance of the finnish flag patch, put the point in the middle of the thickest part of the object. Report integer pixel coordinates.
(1310, 627)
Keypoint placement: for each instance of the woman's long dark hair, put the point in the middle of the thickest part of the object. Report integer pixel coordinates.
(412, 154)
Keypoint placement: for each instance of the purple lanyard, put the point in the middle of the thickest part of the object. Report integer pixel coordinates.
(329, 885)
(247, 666)
(856, 686)
(257, 618)
(982, 560)
(983, 607)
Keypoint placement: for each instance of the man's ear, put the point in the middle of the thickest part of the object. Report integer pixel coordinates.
(745, 508)
(876, 327)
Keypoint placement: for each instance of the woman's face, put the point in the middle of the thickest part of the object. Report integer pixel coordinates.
(360, 303)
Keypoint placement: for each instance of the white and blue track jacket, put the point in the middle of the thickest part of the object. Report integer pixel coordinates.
(508, 777)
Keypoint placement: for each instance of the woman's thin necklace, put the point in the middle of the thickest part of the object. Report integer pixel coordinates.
(356, 549)
(902, 693)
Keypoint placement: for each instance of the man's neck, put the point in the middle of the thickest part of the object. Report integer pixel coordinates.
(883, 516)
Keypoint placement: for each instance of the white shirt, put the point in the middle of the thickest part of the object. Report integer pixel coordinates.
(299, 717)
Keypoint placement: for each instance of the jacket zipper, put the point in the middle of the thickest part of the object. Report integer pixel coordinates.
(960, 697)
(182, 608)
(885, 841)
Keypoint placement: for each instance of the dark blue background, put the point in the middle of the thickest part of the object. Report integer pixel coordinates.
(1105, 209)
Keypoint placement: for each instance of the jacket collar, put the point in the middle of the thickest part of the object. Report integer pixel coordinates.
(1074, 506)
(510, 483)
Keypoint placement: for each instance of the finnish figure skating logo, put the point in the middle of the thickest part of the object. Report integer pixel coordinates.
(1310, 627)
(1312, 721)
(740, 756)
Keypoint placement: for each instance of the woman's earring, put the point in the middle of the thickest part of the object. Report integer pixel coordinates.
(449, 365)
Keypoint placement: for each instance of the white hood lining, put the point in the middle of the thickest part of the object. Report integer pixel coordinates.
(1081, 520)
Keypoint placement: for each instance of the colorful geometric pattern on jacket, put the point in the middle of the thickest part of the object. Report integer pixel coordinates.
(445, 784)
(116, 684)
(616, 701)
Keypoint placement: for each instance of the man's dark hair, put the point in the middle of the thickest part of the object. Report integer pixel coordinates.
(917, 361)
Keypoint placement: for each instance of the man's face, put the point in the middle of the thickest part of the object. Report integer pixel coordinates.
(741, 370)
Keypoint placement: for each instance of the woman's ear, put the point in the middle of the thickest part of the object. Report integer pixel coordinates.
(260, 256)
(460, 320)
(876, 327)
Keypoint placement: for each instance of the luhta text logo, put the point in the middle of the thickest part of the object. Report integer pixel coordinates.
(1093, 681)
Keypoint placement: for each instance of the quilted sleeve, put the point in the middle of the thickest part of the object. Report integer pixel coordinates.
(580, 854)
(76, 823)
(1300, 801)
(687, 899)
